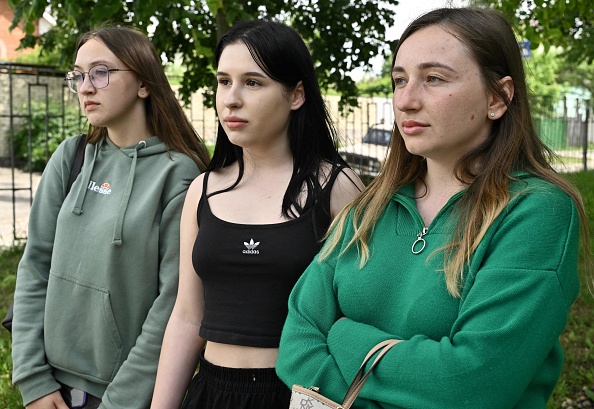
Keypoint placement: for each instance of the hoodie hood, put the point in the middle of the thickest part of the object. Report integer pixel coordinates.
(104, 148)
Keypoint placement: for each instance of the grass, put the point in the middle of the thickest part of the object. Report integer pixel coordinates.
(577, 339)
(10, 398)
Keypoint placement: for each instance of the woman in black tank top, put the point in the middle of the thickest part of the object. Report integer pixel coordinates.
(252, 223)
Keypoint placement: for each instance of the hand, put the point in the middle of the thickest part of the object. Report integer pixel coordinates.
(52, 401)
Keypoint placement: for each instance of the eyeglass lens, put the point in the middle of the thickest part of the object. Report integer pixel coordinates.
(98, 75)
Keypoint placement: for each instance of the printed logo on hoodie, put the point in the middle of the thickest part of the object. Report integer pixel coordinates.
(104, 188)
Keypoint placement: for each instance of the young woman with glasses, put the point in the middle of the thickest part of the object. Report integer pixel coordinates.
(98, 278)
(251, 223)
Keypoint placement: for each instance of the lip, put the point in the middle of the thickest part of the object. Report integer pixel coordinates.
(235, 122)
(412, 127)
(90, 105)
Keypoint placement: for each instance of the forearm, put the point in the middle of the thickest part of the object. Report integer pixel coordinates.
(476, 356)
(177, 363)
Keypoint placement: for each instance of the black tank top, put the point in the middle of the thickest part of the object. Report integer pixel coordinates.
(248, 271)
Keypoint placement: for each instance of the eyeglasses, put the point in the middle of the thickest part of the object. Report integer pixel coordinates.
(98, 74)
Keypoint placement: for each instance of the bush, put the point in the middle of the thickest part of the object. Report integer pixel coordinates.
(59, 127)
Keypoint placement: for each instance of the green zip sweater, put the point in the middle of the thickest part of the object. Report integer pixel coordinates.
(98, 278)
(495, 347)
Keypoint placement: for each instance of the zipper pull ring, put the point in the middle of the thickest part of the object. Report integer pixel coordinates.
(419, 242)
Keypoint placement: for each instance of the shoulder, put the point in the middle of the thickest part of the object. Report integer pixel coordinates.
(539, 195)
(348, 179)
(67, 147)
(345, 186)
(339, 175)
(538, 210)
(62, 158)
(177, 169)
(195, 189)
(181, 162)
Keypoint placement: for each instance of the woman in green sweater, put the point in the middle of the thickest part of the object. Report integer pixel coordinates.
(465, 247)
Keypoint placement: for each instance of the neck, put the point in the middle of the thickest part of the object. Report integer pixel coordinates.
(440, 185)
(128, 137)
(270, 161)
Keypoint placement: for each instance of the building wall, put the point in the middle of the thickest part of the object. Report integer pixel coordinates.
(9, 41)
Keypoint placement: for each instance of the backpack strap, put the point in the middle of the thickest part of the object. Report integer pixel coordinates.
(79, 157)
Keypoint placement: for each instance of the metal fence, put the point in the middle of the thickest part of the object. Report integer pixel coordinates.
(27, 89)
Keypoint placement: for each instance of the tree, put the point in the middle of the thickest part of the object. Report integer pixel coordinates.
(579, 75)
(568, 24)
(341, 34)
(543, 71)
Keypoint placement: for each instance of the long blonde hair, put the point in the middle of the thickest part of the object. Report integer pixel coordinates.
(513, 145)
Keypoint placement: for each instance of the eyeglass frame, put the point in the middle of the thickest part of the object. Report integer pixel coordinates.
(87, 73)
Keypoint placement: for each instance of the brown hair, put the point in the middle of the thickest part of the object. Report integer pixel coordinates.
(513, 145)
(165, 117)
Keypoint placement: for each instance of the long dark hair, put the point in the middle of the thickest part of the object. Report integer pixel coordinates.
(281, 53)
(165, 117)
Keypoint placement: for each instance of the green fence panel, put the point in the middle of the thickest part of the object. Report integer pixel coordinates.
(552, 131)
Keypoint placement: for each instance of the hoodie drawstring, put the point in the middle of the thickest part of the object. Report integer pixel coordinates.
(119, 224)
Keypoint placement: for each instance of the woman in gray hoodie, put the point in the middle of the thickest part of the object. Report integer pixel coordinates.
(98, 278)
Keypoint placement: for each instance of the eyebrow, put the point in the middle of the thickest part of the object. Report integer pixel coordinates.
(426, 65)
(245, 74)
(96, 62)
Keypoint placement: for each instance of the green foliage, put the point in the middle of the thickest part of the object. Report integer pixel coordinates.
(44, 118)
(9, 259)
(342, 34)
(37, 57)
(542, 71)
(381, 85)
(578, 74)
(578, 338)
(566, 24)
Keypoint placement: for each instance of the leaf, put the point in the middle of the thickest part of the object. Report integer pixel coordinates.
(341, 34)
(214, 6)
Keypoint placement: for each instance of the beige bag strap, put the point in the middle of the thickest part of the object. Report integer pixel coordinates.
(360, 378)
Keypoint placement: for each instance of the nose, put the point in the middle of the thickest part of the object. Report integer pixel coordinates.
(86, 86)
(232, 98)
(406, 97)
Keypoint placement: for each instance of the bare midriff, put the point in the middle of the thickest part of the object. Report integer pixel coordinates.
(239, 356)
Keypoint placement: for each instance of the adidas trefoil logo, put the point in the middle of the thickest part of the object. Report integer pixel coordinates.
(251, 247)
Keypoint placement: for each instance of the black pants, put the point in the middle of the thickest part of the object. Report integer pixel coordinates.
(216, 387)
(72, 398)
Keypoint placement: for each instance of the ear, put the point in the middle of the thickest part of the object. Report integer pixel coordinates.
(497, 106)
(297, 96)
(143, 91)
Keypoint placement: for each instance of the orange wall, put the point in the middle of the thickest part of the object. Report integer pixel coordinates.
(9, 41)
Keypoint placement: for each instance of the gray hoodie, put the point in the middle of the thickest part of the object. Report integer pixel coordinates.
(98, 278)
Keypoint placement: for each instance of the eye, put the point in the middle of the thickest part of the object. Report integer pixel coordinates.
(433, 79)
(252, 83)
(223, 81)
(100, 72)
(399, 81)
